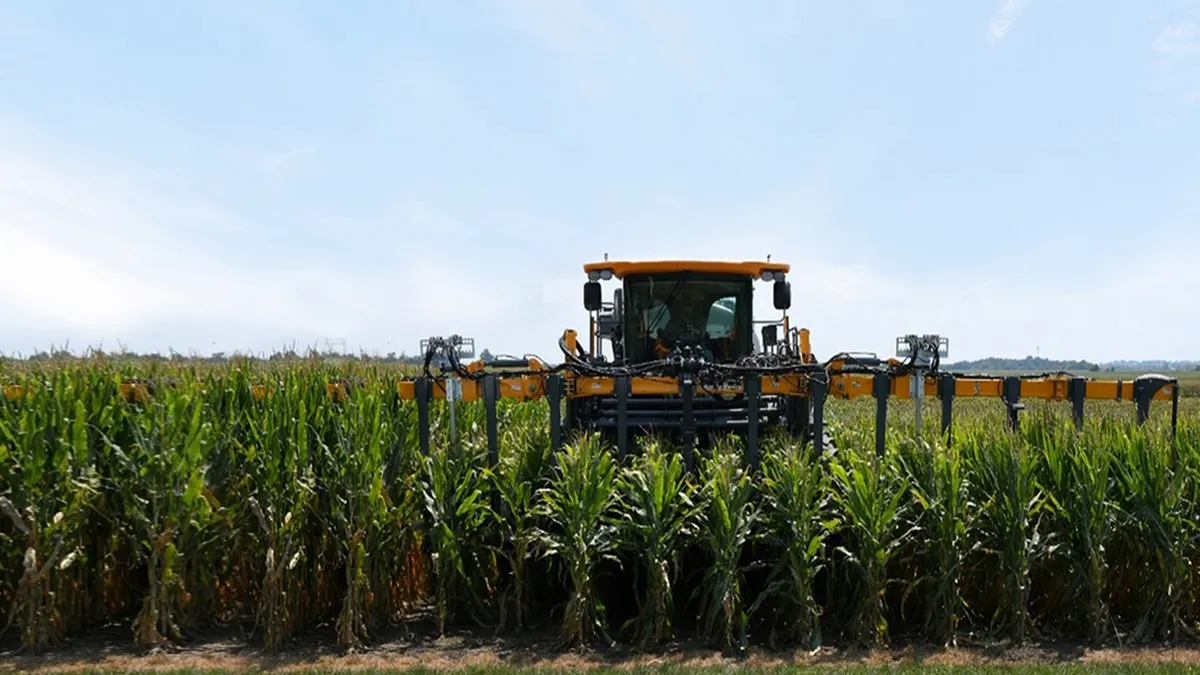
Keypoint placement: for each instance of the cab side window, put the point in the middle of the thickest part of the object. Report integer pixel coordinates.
(656, 318)
(722, 317)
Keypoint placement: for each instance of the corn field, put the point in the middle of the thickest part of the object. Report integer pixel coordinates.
(296, 514)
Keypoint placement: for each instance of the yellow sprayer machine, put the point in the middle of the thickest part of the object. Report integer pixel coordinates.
(686, 355)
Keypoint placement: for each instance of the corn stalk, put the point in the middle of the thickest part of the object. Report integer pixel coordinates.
(167, 509)
(941, 518)
(457, 514)
(1007, 506)
(795, 526)
(49, 492)
(658, 516)
(728, 517)
(581, 532)
(522, 468)
(868, 494)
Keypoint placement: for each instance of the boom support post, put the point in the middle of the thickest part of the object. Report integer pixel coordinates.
(946, 393)
(881, 389)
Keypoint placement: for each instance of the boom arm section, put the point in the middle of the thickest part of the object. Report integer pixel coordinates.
(1053, 387)
(1010, 390)
(790, 378)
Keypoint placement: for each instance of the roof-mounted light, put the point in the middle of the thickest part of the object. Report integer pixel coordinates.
(596, 275)
(769, 275)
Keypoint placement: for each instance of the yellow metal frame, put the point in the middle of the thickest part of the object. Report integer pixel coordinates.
(843, 386)
(622, 268)
(586, 386)
(531, 387)
(1050, 388)
(337, 391)
(528, 387)
(522, 387)
(135, 391)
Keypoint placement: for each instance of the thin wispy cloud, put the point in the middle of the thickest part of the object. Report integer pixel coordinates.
(1177, 46)
(1004, 18)
(1180, 40)
(275, 167)
(110, 257)
(293, 153)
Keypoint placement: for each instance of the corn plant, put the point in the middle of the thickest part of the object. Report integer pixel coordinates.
(49, 492)
(359, 510)
(868, 495)
(1080, 483)
(167, 514)
(941, 519)
(401, 575)
(525, 455)
(728, 516)
(457, 517)
(1159, 532)
(581, 531)
(657, 519)
(1007, 502)
(280, 498)
(796, 524)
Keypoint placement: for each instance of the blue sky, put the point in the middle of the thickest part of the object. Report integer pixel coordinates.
(1019, 175)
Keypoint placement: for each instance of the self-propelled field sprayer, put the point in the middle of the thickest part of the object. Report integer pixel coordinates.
(687, 356)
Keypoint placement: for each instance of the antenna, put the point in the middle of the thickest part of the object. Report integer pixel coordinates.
(335, 345)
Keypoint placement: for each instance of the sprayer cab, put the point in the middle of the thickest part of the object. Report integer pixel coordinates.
(663, 307)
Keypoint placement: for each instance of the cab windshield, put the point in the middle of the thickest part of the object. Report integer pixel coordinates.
(663, 311)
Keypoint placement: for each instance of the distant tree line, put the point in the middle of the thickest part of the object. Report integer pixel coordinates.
(1039, 364)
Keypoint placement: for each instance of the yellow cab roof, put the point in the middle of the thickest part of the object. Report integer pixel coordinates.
(751, 269)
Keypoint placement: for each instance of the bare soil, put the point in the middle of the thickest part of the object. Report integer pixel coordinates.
(232, 648)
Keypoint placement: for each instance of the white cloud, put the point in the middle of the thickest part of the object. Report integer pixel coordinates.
(1004, 18)
(619, 51)
(100, 254)
(1180, 40)
(1177, 46)
(95, 254)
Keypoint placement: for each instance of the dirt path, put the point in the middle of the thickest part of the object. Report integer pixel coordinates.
(231, 651)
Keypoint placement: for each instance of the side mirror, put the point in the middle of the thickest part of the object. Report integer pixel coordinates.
(591, 296)
(783, 294)
(770, 336)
